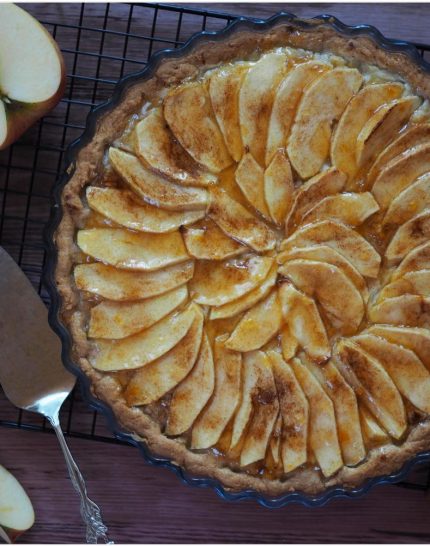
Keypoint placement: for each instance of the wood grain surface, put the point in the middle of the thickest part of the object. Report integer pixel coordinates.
(140, 503)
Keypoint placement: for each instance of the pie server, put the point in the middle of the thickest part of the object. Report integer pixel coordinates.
(31, 373)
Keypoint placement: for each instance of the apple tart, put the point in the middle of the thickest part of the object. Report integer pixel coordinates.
(244, 261)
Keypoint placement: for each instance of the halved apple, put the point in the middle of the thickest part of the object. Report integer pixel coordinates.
(210, 243)
(144, 347)
(121, 285)
(323, 102)
(278, 187)
(153, 188)
(238, 223)
(250, 178)
(188, 111)
(154, 380)
(257, 326)
(32, 72)
(413, 233)
(418, 258)
(414, 282)
(191, 396)
(373, 434)
(358, 111)
(289, 343)
(406, 310)
(345, 240)
(16, 510)
(409, 202)
(350, 208)
(221, 407)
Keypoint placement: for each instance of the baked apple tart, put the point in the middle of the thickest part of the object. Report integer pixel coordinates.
(244, 260)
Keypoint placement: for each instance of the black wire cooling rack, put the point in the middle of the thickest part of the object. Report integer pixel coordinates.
(101, 43)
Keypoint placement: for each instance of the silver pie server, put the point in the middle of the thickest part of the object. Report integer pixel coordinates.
(32, 375)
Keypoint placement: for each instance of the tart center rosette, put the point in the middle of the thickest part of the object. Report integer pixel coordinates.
(256, 262)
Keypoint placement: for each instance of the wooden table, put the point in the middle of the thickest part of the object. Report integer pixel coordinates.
(141, 503)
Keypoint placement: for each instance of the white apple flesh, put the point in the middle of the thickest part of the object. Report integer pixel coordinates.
(16, 510)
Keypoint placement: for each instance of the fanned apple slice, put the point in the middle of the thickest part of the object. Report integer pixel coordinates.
(250, 178)
(403, 366)
(413, 233)
(418, 258)
(128, 250)
(275, 441)
(323, 103)
(323, 438)
(378, 132)
(257, 326)
(224, 86)
(371, 382)
(115, 320)
(373, 434)
(279, 187)
(238, 223)
(211, 243)
(154, 144)
(400, 173)
(124, 208)
(414, 282)
(405, 310)
(345, 408)
(337, 295)
(266, 409)
(154, 380)
(289, 343)
(256, 99)
(298, 310)
(408, 139)
(294, 410)
(358, 111)
(342, 238)
(153, 188)
(121, 285)
(286, 101)
(191, 396)
(188, 111)
(247, 301)
(221, 407)
(218, 283)
(411, 201)
(144, 347)
(329, 182)
(350, 208)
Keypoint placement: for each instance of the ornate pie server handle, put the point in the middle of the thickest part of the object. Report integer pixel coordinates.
(95, 528)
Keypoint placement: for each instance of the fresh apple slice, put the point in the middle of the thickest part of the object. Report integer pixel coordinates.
(370, 381)
(400, 173)
(289, 343)
(294, 410)
(257, 326)
(266, 410)
(297, 310)
(322, 104)
(413, 233)
(16, 510)
(323, 438)
(224, 86)
(210, 243)
(154, 144)
(32, 72)
(238, 223)
(336, 294)
(373, 434)
(286, 101)
(191, 396)
(357, 113)
(120, 285)
(247, 301)
(350, 208)
(403, 366)
(153, 188)
(115, 320)
(411, 201)
(125, 209)
(221, 407)
(144, 347)
(414, 282)
(128, 250)
(405, 310)
(218, 283)
(378, 132)
(150, 383)
(345, 240)
(188, 111)
(256, 99)
(250, 178)
(279, 187)
(418, 258)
